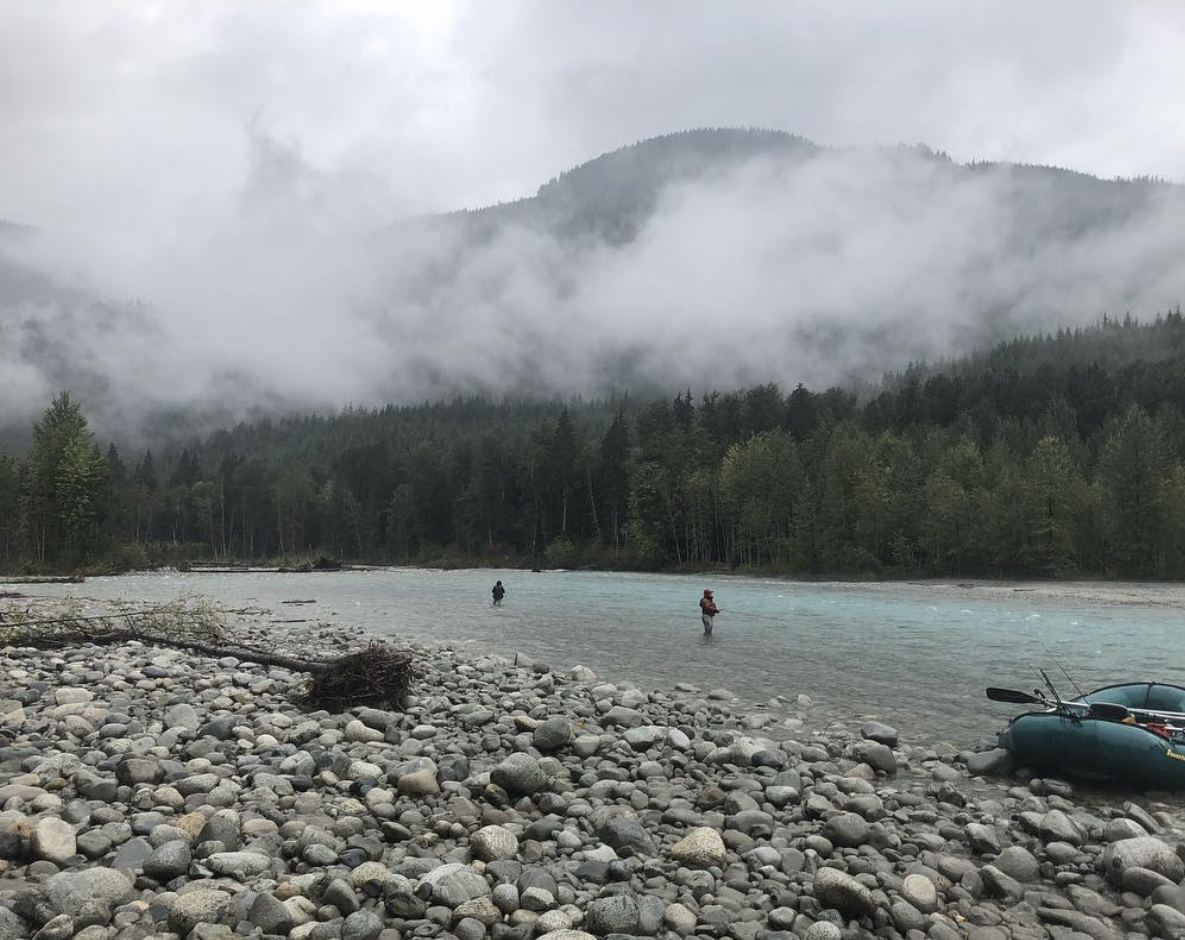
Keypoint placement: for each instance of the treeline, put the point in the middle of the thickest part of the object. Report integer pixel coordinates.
(1058, 469)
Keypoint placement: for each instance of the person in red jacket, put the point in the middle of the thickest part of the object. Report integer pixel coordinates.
(708, 610)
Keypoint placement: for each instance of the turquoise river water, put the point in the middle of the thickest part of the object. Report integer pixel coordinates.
(915, 655)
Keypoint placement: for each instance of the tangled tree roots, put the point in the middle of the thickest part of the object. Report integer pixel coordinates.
(378, 675)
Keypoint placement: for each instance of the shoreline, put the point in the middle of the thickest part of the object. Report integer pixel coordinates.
(1160, 594)
(147, 791)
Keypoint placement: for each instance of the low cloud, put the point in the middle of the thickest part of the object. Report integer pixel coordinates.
(232, 206)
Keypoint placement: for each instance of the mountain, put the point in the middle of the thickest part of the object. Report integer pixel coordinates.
(707, 259)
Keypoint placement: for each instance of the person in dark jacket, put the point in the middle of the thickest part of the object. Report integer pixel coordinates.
(499, 593)
(708, 610)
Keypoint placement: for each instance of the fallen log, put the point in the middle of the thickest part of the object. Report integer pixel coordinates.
(376, 675)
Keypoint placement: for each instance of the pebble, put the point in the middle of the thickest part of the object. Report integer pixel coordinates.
(148, 790)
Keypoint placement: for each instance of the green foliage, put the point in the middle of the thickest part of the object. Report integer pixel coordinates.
(1026, 461)
(63, 481)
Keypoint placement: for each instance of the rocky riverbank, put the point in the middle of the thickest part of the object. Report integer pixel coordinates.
(147, 792)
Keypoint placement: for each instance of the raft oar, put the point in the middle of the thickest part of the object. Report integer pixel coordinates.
(1015, 697)
(1101, 709)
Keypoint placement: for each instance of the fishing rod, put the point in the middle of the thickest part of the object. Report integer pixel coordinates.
(1016, 697)
(1061, 706)
(1081, 694)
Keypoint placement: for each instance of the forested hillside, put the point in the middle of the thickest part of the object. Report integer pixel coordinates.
(1039, 458)
(741, 254)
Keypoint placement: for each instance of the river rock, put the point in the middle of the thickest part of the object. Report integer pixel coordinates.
(1142, 852)
(877, 756)
(362, 925)
(609, 915)
(701, 847)
(519, 775)
(241, 866)
(822, 930)
(270, 915)
(1117, 830)
(982, 839)
(997, 762)
(839, 891)
(847, 830)
(1166, 922)
(920, 892)
(567, 934)
(203, 906)
(1056, 826)
(553, 734)
(626, 834)
(454, 884)
(879, 732)
(53, 840)
(1018, 863)
(70, 890)
(493, 842)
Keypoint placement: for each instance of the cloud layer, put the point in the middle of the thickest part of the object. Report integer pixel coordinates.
(216, 173)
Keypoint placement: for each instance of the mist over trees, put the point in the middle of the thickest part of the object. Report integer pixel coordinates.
(1047, 456)
(773, 256)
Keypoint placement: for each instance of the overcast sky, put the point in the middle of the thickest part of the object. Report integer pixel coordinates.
(134, 116)
(227, 162)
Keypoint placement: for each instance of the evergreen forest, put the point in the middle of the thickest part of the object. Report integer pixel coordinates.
(1048, 456)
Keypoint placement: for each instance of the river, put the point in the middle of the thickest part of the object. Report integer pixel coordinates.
(915, 655)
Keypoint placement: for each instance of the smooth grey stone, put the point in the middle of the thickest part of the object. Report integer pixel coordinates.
(57, 928)
(1018, 863)
(361, 925)
(519, 775)
(553, 734)
(12, 926)
(625, 833)
(997, 762)
(614, 914)
(132, 854)
(877, 756)
(203, 906)
(69, 890)
(879, 732)
(1143, 852)
(847, 830)
(170, 860)
(842, 892)
(270, 915)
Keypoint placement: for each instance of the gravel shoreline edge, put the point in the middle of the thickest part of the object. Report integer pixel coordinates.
(151, 793)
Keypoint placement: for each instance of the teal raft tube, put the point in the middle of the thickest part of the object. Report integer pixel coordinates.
(1145, 747)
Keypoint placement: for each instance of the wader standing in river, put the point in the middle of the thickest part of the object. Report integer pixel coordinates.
(708, 610)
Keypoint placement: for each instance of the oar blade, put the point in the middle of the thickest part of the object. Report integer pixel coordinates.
(1013, 696)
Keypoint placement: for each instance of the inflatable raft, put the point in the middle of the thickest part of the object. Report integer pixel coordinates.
(1133, 732)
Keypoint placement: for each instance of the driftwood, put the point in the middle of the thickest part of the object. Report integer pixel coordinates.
(377, 675)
